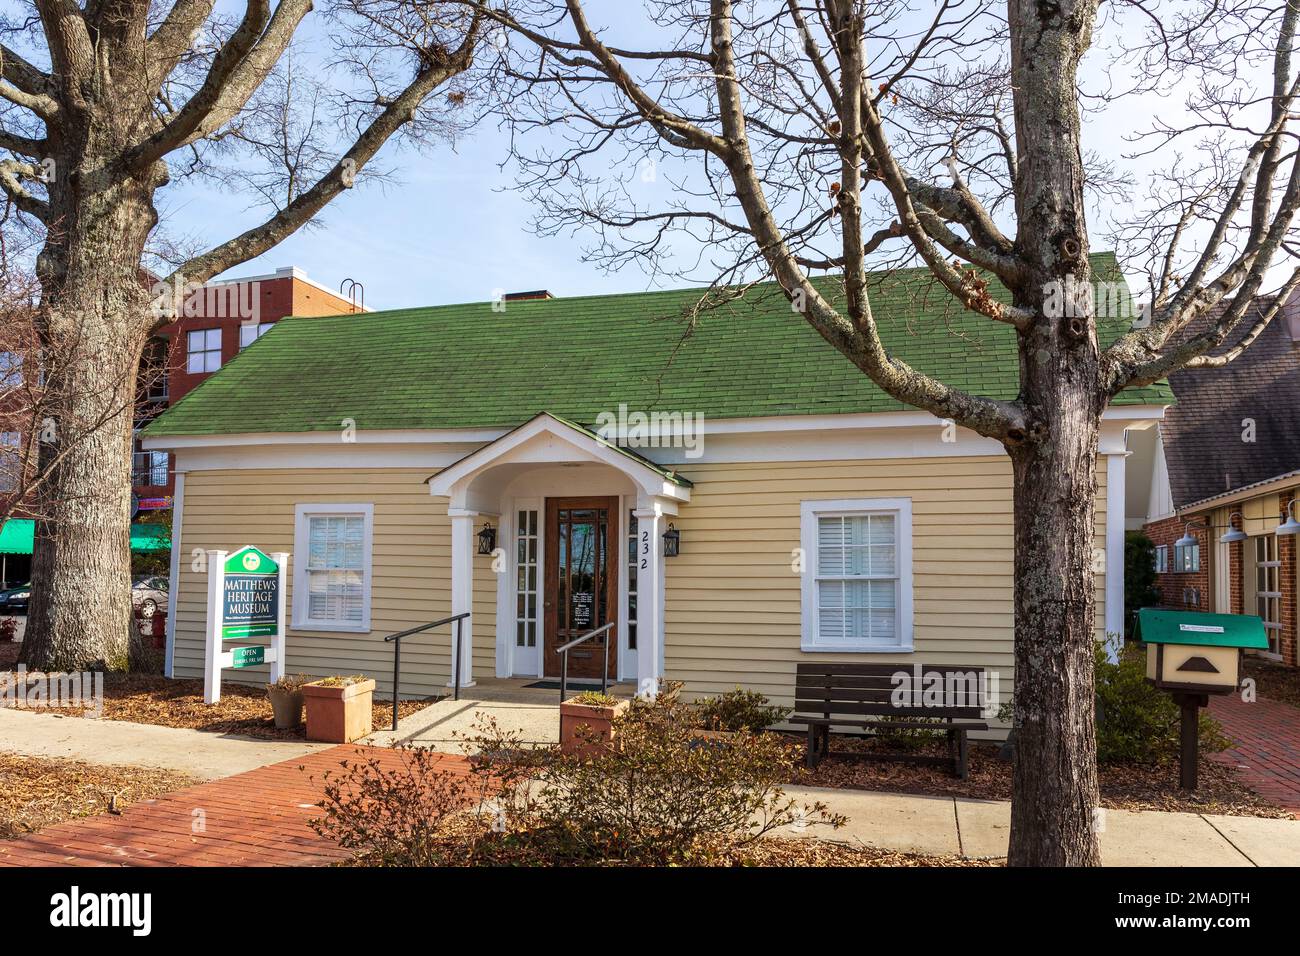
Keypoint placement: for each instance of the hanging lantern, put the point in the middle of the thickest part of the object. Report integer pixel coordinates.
(672, 542)
(487, 539)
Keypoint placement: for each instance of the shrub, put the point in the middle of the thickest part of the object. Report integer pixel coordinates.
(738, 709)
(401, 816)
(8, 630)
(290, 683)
(664, 796)
(1136, 721)
(1139, 576)
(593, 698)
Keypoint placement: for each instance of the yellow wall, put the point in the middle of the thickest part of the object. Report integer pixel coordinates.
(410, 564)
(732, 601)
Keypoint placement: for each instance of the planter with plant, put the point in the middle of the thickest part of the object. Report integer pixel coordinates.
(587, 721)
(339, 708)
(287, 700)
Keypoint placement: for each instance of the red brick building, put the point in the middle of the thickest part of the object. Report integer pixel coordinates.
(1226, 464)
(219, 321)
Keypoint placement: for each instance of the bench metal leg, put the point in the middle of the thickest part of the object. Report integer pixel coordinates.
(811, 758)
(963, 754)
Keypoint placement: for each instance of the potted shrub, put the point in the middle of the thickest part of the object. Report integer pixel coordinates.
(339, 708)
(587, 721)
(287, 700)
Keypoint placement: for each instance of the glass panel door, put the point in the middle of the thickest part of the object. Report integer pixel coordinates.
(581, 584)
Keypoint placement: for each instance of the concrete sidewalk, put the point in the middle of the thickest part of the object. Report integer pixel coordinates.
(909, 823)
(196, 752)
(980, 829)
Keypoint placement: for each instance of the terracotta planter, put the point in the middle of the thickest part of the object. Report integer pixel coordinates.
(584, 727)
(287, 707)
(338, 714)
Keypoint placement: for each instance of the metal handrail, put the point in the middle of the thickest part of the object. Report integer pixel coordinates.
(396, 641)
(563, 651)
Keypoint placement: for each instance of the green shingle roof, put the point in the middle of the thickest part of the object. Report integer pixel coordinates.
(468, 366)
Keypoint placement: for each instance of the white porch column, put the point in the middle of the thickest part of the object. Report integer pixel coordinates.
(649, 600)
(1114, 549)
(462, 590)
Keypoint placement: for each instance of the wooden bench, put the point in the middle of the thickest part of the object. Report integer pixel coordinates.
(860, 697)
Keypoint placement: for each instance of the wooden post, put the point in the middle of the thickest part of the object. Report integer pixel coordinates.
(213, 648)
(1189, 733)
(281, 558)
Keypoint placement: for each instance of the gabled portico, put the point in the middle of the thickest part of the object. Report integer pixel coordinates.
(563, 501)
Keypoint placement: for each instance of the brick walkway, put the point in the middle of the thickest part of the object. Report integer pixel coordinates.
(258, 818)
(1267, 736)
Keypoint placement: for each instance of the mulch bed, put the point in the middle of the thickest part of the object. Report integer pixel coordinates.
(243, 710)
(1123, 787)
(1274, 681)
(36, 792)
(9, 655)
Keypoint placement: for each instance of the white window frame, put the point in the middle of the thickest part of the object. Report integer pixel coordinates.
(11, 369)
(1162, 558)
(1182, 563)
(191, 353)
(809, 512)
(258, 330)
(301, 542)
(11, 462)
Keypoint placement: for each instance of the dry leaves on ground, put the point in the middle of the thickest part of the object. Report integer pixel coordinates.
(36, 792)
(1220, 790)
(243, 710)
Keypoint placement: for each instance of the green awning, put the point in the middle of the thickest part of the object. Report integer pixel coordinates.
(17, 534)
(1190, 627)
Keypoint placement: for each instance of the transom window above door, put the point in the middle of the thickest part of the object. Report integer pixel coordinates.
(857, 574)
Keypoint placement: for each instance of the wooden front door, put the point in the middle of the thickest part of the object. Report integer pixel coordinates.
(581, 582)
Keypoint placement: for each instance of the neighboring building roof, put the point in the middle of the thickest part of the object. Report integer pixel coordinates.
(1204, 432)
(472, 366)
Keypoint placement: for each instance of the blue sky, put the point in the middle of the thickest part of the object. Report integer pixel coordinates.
(453, 230)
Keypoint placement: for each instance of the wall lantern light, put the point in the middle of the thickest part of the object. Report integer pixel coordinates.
(1290, 525)
(1233, 533)
(487, 539)
(672, 542)
(1187, 540)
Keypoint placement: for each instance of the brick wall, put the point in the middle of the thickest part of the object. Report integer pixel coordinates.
(1174, 586)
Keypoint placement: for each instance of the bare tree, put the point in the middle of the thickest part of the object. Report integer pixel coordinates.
(822, 134)
(105, 103)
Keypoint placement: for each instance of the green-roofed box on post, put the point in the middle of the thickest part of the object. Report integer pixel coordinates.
(1193, 655)
(1197, 653)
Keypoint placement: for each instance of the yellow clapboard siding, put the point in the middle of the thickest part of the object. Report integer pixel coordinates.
(732, 614)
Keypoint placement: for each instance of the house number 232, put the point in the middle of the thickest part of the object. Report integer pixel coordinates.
(645, 549)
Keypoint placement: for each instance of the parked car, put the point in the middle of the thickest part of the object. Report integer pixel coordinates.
(148, 593)
(14, 600)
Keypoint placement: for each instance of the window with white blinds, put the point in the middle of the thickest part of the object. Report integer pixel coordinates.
(857, 569)
(332, 571)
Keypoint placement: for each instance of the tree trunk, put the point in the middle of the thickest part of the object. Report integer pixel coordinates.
(1055, 765)
(1055, 462)
(95, 322)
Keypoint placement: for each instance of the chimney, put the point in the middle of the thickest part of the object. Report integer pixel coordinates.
(525, 296)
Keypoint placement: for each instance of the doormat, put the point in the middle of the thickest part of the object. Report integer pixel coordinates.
(574, 685)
